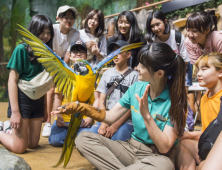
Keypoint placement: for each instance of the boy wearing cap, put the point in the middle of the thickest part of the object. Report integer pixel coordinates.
(121, 129)
(59, 128)
(64, 34)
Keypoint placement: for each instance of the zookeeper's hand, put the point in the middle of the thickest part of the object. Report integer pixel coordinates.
(110, 131)
(68, 108)
(87, 122)
(15, 120)
(143, 102)
(60, 121)
(102, 129)
(82, 108)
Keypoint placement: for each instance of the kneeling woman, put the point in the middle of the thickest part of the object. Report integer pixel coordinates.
(158, 105)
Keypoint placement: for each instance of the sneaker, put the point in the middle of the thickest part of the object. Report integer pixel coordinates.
(1, 126)
(46, 130)
(7, 127)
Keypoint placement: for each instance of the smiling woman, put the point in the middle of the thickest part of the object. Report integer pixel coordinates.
(202, 35)
(92, 35)
(127, 29)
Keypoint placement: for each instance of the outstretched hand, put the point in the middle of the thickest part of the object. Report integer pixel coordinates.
(143, 102)
(59, 110)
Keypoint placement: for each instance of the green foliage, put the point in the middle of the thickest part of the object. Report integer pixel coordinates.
(158, 7)
(4, 83)
(4, 78)
(5, 8)
(4, 95)
(7, 48)
(183, 12)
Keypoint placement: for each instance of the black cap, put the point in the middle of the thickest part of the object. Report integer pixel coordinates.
(78, 43)
(119, 43)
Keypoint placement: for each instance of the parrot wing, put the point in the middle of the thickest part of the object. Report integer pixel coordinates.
(64, 76)
(114, 54)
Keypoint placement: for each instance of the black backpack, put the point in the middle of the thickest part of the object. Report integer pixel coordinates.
(209, 136)
(178, 38)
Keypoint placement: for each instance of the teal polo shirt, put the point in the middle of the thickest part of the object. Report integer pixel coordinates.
(160, 105)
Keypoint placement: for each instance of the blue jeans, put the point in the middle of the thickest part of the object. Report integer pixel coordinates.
(123, 133)
(58, 134)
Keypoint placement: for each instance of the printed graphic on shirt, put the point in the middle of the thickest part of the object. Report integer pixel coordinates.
(155, 116)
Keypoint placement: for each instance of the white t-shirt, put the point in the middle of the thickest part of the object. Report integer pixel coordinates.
(85, 37)
(172, 43)
(61, 42)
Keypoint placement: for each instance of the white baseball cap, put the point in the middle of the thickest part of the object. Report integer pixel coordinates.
(66, 8)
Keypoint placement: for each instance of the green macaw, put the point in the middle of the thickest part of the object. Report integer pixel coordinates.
(79, 85)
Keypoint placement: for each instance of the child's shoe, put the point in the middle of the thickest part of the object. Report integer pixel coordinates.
(1, 126)
(7, 127)
(46, 130)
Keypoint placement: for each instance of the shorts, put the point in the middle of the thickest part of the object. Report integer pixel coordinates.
(28, 108)
(188, 76)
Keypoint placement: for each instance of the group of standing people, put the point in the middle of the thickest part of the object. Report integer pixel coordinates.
(150, 114)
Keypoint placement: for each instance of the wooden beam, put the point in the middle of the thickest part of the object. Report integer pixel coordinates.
(143, 7)
(4, 63)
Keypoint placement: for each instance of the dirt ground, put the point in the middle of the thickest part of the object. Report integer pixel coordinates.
(45, 156)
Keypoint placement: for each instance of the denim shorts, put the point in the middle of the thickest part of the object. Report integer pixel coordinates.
(28, 108)
(188, 76)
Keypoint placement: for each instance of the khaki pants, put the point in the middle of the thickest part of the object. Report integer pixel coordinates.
(105, 154)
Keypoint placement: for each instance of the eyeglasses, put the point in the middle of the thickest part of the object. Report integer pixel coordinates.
(123, 22)
(80, 52)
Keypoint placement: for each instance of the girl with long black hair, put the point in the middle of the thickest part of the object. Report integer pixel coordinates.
(127, 29)
(158, 107)
(24, 112)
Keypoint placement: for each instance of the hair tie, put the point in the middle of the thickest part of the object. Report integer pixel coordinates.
(169, 77)
(175, 57)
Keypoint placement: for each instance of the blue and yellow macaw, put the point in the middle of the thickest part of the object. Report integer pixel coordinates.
(79, 85)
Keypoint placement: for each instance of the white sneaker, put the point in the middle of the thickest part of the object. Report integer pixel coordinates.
(1, 126)
(46, 130)
(7, 127)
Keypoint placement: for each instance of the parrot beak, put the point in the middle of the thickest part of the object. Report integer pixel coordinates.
(76, 67)
(80, 67)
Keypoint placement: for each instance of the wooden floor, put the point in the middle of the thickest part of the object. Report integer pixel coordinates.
(45, 156)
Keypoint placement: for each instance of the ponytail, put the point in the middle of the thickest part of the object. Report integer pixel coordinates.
(178, 95)
(160, 56)
(213, 18)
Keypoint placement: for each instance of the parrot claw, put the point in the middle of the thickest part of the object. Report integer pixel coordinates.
(98, 109)
(77, 103)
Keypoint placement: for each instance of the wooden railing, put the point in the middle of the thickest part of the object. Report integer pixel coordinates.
(4, 63)
(143, 7)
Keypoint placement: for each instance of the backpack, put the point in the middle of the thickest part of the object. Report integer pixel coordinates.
(178, 38)
(209, 136)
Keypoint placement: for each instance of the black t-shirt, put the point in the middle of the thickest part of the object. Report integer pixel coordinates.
(133, 59)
